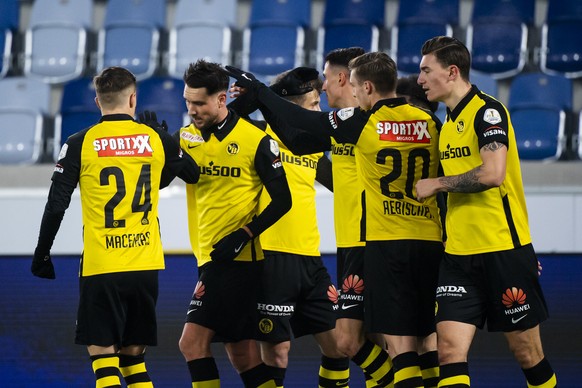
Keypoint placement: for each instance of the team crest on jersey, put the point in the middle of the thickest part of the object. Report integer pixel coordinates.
(63, 152)
(232, 148)
(415, 131)
(492, 116)
(460, 126)
(274, 147)
(345, 113)
(133, 145)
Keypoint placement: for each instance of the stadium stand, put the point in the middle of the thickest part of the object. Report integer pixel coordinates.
(274, 39)
(561, 52)
(539, 105)
(213, 20)
(9, 22)
(24, 105)
(416, 22)
(130, 36)
(56, 39)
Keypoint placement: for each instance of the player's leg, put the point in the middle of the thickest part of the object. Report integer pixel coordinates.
(350, 321)
(453, 341)
(518, 309)
(195, 347)
(334, 369)
(133, 367)
(526, 347)
(428, 360)
(276, 356)
(141, 295)
(245, 357)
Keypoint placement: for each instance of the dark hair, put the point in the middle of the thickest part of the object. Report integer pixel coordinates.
(449, 51)
(376, 67)
(207, 75)
(298, 79)
(408, 87)
(113, 80)
(343, 56)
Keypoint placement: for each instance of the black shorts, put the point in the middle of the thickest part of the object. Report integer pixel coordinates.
(297, 297)
(401, 279)
(500, 288)
(350, 274)
(225, 299)
(118, 309)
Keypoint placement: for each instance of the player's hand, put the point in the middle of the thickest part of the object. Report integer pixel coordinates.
(151, 120)
(230, 246)
(539, 268)
(42, 265)
(294, 83)
(244, 79)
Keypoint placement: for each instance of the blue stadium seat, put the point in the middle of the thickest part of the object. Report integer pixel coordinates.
(56, 39)
(416, 22)
(497, 36)
(485, 82)
(350, 23)
(436, 11)
(407, 40)
(274, 40)
(561, 53)
(9, 22)
(24, 103)
(538, 104)
(77, 111)
(214, 20)
(163, 95)
(130, 36)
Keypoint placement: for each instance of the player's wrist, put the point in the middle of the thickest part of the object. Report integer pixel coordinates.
(248, 230)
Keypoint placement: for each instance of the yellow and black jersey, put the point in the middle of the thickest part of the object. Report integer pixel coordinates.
(495, 219)
(396, 145)
(348, 196)
(117, 164)
(235, 160)
(296, 232)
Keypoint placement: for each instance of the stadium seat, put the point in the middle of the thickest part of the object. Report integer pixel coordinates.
(561, 53)
(274, 40)
(56, 39)
(497, 36)
(407, 40)
(24, 102)
(214, 20)
(538, 105)
(485, 82)
(77, 111)
(130, 36)
(9, 22)
(416, 22)
(349, 23)
(163, 95)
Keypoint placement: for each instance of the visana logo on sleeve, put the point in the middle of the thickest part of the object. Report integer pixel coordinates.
(134, 145)
(404, 131)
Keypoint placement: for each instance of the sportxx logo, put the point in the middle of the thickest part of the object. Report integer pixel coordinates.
(353, 282)
(512, 296)
(199, 290)
(415, 131)
(134, 145)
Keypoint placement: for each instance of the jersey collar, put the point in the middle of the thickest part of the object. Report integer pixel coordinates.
(116, 117)
(463, 103)
(222, 129)
(389, 102)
